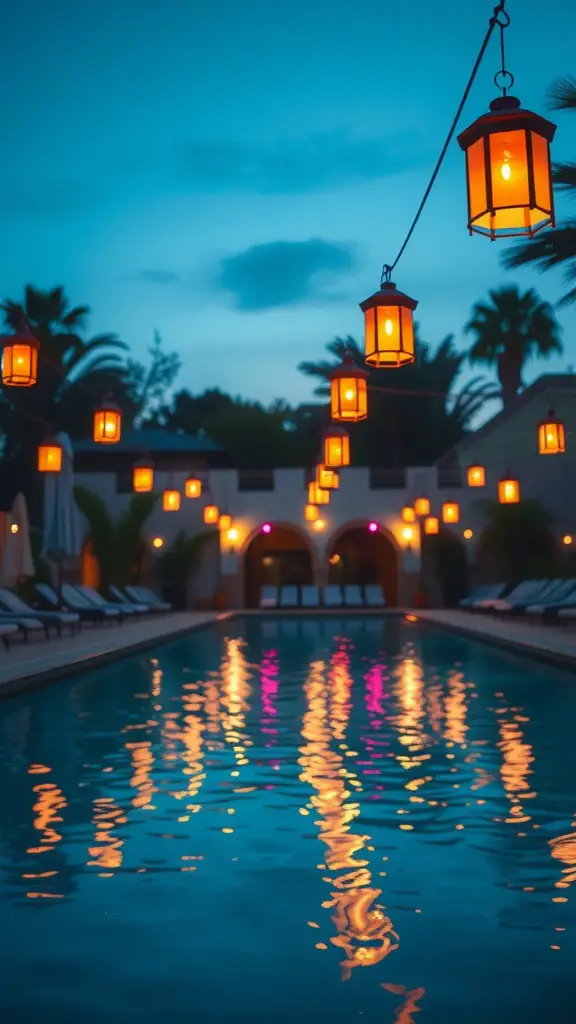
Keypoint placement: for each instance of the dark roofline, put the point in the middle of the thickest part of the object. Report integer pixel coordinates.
(547, 380)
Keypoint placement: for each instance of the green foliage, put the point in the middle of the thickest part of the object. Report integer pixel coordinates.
(116, 545)
(182, 560)
(518, 541)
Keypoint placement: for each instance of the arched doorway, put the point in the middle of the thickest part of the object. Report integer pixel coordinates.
(444, 568)
(279, 558)
(359, 556)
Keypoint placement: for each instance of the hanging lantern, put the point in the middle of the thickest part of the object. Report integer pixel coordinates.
(225, 521)
(389, 326)
(422, 507)
(450, 512)
(49, 456)
(171, 500)
(317, 495)
(431, 525)
(551, 437)
(408, 514)
(327, 478)
(20, 358)
(142, 476)
(508, 491)
(107, 423)
(508, 171)
(476, 476)
(348, 392)
(192, 487)
(211, 514)
(311, 513)
(336, 443)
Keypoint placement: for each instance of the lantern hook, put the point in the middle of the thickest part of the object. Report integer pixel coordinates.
(386, 274)
(503, 79)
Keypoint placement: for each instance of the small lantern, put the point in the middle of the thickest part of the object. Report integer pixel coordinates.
(431, 525)
(389, 326)
(327, 478)
(319, 525)
(193, 487)
(336, 447)
(317, 495)
(49, 456)
(107, 423)
(408, 514)
(476, 476)
(311, 513)
(171, 500)
(508, 491)
(422, 507)
(20, 358)
(211, 514)
(225, 521)
(142, 476)
(348, 392)
(551, 437)
(450, 512)
(508, 171)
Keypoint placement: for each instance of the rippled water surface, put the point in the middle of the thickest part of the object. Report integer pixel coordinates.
(292, 820)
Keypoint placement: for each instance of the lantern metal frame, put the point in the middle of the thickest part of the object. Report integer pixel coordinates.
(476, 475)
(504, 492)
(211, 514)
(198, 487)
(551, 435)
(107, 412)
(146, 465)
(389, 304)
(50, 444)
(431, 526)
(171, 500)
(349, 371)
(24, 339)
(311, 512)
(419, 508)
(337, 437)
(327, 478)
(447, 517)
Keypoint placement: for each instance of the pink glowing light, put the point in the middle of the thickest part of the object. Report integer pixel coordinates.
(266, 528)
(373, 527)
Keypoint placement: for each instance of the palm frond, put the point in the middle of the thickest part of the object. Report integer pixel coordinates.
(562, 93)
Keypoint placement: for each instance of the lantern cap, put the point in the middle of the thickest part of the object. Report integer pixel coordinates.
(108, 405)
(388, 295)
(506, 114)
(22, 336)
(551, 417)
(335, 431)
(348, 368)
(143, 462)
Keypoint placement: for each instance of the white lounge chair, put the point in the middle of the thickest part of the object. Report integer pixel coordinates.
(353, 596)
(374, 596)
(289, 597)
(332, 596)
(268, 597)
(309, 596)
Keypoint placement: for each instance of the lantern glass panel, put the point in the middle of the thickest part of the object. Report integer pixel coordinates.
(225, 521)
(431, 525)
(508, 492)
(311, 513)
(349, 398)
(171, 501)
(509, 174)
(541, 164)
(408, 514)
(422, 506)
(193, 487)
(211, 514)
(107, 426)
(337, 451)
(476, 476)
(20, 365)
(450, 512)
(142, 479)
(477, 198)
(49, 458)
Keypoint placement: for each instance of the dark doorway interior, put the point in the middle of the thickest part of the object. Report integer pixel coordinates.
(359, 556)
(279, 558)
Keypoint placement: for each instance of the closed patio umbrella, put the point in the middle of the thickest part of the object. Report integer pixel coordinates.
(62, 537)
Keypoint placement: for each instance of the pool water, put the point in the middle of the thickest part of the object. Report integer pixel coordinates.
(292, 820)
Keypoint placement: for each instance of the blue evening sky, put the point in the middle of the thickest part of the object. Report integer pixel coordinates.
(235, 174)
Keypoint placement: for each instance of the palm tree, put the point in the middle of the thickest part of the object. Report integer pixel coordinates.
(510, 329)
(116, 544)
(518, 541)
(557, 246)
(415, 412)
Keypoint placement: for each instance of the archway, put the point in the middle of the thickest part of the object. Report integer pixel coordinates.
(279, 558)
(356, 555)
(445, 568)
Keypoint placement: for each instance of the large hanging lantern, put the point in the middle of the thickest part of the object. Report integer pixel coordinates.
(431, 525)
(551, 436)
(143, 476)
(422, 507)
(508, 171)
(311, 513)
(107, 423)
(408, 514)
(450, 512)
(211, 514)
(327, 478)
(317, 495)
(20, 358)
(348, 392)
(192, 487)
(389, 326)
(49, 456)
(476, 476)
(508, 490)
(336, 444)
(171, 500)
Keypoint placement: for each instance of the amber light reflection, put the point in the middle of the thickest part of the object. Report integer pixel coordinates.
(517, 758)
(106, 852)
(364, 932)
(234, 694)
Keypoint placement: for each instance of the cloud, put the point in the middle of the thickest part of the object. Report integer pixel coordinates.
(157, 276)
(283, 273)
(317, 162)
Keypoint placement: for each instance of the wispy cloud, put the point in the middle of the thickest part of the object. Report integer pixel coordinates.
(317, 162)
(284, 273)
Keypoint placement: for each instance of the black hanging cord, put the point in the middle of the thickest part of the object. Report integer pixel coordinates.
(498, 14)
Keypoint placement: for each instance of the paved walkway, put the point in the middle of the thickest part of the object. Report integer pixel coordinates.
(29, 665)
(555, 642)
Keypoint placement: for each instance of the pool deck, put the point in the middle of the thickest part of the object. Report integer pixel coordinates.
(549, 643)
(29, 665)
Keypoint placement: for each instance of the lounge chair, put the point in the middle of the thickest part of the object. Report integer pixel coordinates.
(79, 603)
(25, 624)
(96, 599)
(140, 607)
(374, 596)
(289, 597)
(14, 605)
(554, 601)
(332, 596)
(309, 596)
(487, 592)
(138, 593)
(527, 592)
(268, 597)
(7, 629)
(353, 596)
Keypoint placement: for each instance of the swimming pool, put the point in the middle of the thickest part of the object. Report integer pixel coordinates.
(291, 819)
